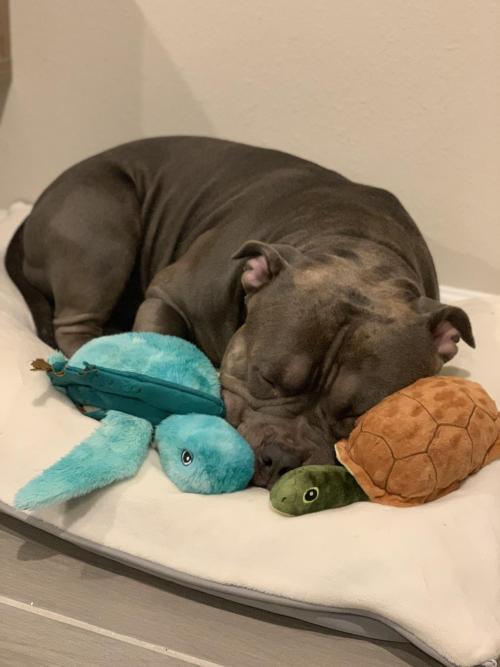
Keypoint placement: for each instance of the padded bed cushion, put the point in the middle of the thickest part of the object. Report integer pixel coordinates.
(429, 574)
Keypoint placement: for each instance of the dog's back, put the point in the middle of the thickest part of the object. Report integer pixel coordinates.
(41, 308)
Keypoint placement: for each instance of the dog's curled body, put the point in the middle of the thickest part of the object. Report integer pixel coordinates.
(316, 296)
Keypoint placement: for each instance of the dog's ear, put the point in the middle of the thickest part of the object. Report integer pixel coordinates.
(448, 324)
(264, 262)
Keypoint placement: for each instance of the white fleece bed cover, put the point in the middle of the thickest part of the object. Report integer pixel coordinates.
(429, 574)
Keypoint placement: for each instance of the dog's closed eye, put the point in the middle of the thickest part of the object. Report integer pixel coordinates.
(271, 383)
(343, 427)
(263, 384)
(291, 380)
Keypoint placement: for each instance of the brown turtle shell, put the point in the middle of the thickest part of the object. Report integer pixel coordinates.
(419, 443)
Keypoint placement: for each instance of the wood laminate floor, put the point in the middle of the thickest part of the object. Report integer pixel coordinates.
(63, 606)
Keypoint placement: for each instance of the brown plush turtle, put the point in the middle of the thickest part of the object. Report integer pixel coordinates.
(416, 445)
(421, 442)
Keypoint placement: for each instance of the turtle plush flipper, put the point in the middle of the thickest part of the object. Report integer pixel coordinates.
(314, 488)
(114, 451)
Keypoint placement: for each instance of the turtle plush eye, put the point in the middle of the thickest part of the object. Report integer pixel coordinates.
(186, 457)
(311, 494)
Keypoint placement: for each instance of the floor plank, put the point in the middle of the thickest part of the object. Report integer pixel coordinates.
(52, 574)
(34, 641)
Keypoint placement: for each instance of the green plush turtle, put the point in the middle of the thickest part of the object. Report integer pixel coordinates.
(416, 445)
(314, 488)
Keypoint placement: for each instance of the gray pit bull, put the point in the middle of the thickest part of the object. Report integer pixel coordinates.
(316, 296)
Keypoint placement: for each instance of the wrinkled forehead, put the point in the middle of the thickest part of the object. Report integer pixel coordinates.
(286, 325)
(333, 294)
(312, 278)
(300, 305)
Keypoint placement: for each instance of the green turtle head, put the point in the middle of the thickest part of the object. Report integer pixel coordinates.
(314, 488)
(299, 491)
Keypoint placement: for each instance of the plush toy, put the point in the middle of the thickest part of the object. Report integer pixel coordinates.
(142, 386)
(416, 445)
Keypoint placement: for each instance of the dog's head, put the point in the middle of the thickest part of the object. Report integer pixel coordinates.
(325, 339)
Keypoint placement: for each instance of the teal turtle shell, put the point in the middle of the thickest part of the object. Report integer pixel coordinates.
(147, 375)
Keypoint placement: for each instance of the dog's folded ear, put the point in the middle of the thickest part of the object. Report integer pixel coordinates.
(264, 262)
(447, 323)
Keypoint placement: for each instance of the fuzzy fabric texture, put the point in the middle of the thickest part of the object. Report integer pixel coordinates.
(97, 390)
(314, 488)
(115, 451)
(423, 441)
(204, 454)
(199, 453)
(151, 354)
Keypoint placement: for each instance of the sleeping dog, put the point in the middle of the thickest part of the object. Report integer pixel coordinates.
(315, 295)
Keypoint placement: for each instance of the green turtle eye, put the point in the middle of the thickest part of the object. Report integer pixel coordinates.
(311, 494)
(186, 457)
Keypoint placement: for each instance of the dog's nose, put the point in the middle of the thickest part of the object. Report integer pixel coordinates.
(273, 462)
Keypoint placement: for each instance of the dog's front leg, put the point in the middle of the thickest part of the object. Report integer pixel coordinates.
(160, 317)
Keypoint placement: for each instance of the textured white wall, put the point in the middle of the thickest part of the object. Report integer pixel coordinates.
(76, 88)
(404, 94)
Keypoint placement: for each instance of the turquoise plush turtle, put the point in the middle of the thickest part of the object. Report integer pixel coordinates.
(143, 388)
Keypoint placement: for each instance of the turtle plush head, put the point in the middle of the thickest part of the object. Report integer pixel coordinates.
(314, 488)
(204, 454)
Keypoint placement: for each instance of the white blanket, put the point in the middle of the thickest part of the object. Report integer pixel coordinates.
(432, 572)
